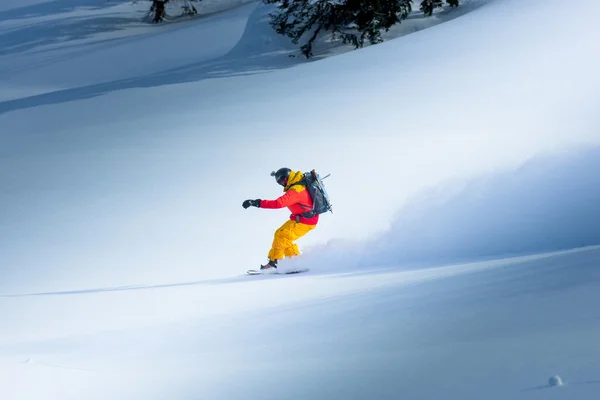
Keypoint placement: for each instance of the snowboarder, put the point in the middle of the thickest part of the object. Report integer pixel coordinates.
(297, 199)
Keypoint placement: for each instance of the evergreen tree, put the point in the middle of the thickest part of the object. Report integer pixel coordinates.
(427, 6)
(353, 21)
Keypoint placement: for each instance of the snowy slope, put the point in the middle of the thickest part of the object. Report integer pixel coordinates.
(43, 45)
(123, 243)
(493, 330)
(109, 181)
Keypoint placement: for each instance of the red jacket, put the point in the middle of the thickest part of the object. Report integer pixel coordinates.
(296, 199)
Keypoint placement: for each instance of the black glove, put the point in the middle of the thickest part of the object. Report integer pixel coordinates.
(253, 203)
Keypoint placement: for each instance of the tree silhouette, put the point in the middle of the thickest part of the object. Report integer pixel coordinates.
(353, 21)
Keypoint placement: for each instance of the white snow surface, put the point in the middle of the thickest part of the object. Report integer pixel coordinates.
(494, 329)
(462, 258)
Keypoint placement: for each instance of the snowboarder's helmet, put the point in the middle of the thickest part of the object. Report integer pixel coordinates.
(282, 175)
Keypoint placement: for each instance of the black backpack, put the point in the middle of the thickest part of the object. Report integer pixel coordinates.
(318, 194)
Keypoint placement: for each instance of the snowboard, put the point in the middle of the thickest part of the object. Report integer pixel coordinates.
(275, 272)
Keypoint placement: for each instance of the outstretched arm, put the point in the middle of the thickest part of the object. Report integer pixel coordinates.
(290, 197)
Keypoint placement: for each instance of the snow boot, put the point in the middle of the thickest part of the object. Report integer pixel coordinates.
(270, 264)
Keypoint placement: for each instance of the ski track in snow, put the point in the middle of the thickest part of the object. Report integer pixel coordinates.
(400, 276)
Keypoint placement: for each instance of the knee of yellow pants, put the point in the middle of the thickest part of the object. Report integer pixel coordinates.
(292, 251)
(283, 240)
(279, 247)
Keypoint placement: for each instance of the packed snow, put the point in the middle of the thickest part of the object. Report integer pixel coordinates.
(461, 260)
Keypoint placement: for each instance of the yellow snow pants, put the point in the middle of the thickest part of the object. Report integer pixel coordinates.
(283, 243)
